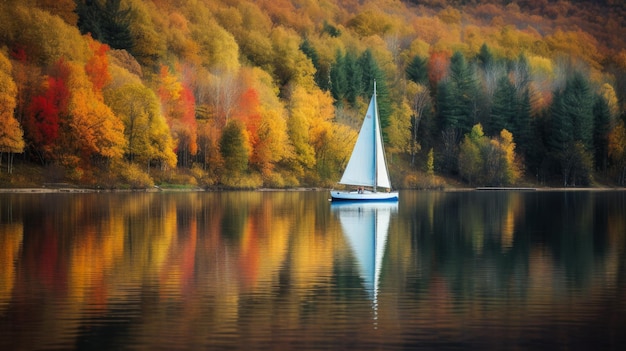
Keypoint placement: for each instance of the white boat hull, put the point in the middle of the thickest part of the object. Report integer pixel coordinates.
(359, 196)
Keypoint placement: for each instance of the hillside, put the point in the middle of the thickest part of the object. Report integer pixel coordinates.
(239, 93)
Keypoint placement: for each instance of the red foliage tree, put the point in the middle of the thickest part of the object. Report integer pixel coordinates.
(437, 67)
(45, 111)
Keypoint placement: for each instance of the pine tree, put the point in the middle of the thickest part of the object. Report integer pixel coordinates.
(233, 147)
(107, 22)
(522, 124)
(601, 128)
(446, 107)
(354, 77)
(485, 57)
(464, 89)
(504, 109)
(572, 130)
(338, 79)
(370, 73)
(321, 76)
(417, 70)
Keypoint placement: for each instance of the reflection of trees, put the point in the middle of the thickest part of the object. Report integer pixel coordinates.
(11, 237)
(235, 266)
(485, 243)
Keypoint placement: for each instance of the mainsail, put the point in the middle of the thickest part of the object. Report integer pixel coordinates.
(367, 166)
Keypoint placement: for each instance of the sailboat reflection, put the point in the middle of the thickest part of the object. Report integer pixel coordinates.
(366, 226)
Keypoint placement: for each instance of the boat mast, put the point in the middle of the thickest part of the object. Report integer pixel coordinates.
(375, 138)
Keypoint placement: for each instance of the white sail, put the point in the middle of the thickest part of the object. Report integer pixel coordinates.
(367, 166)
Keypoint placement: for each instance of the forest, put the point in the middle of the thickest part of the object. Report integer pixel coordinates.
(271, 93)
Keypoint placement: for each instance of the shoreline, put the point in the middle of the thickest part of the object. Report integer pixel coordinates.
(78, 190)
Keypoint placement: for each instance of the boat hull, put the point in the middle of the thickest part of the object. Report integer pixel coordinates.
(356, 196)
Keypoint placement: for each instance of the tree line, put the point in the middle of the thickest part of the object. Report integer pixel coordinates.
(266, 93)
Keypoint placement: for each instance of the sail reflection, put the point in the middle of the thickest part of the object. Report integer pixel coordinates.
(366, 226)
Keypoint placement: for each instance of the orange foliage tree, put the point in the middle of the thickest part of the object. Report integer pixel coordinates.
(97, 67)
(94, 131)
(178, 105)
(437, 67)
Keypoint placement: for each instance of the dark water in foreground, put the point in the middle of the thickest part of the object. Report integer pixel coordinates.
(286, 270)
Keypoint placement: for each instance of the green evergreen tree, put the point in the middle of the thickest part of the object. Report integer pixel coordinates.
(485, 57)
(233, 148)
(447, 113)
(354, 77)
(601, 128)
(522, 124)
(464, 89)
(417, 70)
(321, 76)
(572, 128)
(504, 109)
(107, 22)
(579, 108)
(338, 79)
(370, 73)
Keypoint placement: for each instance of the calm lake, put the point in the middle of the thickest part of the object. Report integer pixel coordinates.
(540, 270)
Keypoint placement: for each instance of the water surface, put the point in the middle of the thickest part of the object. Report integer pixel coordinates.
(288, 270)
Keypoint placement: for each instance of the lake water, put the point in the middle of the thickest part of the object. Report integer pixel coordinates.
(542, 270)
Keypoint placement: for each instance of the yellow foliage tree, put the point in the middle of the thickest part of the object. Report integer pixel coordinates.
(146, 132)
(513, 170)
(272, 141)
(617, 151)
(11, 134)
(298, 124)
(292, 66)
(44, 36)
(146, 28)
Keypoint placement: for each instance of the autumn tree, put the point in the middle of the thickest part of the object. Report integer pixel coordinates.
(249, 113)
(93, 131)
(438, 63)
(11, 134)
(178, 105)
(149, 45)
(47, 111)
(617, 151)
(471, 162)
(322, 71)
(146, 132)
(271, 141)
(421, 104)
(66, 9)
(291, 65)
(488, 161)
(44, 37)
(299, 124)
(97, 67)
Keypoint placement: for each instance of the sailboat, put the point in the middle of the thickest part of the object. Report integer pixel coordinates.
(367, 167)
